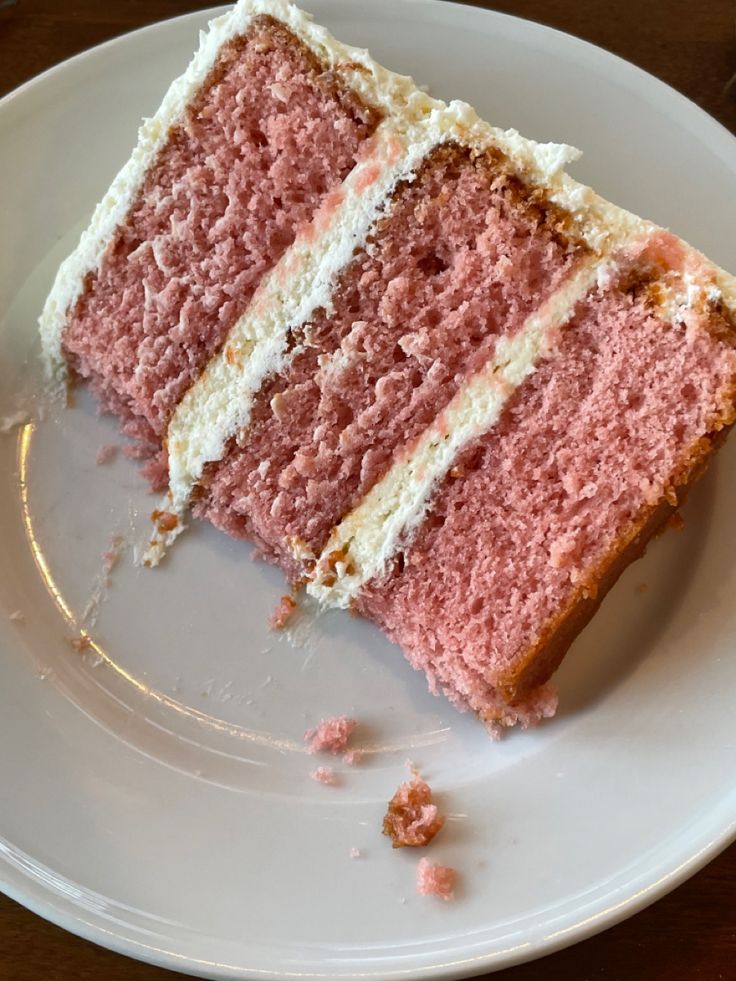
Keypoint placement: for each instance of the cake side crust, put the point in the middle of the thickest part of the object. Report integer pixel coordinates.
(540, 662)
(545, 657)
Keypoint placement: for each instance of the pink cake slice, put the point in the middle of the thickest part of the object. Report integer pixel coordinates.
(431, 376)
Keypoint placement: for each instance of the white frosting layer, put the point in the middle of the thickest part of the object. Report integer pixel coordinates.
(377, 86)
(397, 504)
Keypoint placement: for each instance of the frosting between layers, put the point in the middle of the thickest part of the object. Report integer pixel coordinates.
(363, 543)
(366, 539)
(374, 84)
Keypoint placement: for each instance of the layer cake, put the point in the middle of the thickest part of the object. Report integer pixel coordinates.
(431, 376)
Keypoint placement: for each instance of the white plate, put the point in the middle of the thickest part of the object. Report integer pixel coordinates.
(159, 803)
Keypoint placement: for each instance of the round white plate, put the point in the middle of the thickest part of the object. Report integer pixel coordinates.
(156, 793)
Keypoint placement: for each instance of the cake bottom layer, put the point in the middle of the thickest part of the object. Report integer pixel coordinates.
(539, 517)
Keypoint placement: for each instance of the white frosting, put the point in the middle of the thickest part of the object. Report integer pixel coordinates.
(151, 553)
(397, 504)
(377, 86)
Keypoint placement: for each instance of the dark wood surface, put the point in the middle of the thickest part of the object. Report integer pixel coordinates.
(691, 44)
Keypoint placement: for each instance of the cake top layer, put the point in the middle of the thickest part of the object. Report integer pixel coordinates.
(392, 94)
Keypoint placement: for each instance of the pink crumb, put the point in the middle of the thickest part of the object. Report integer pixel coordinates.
(220, 205)
(106, 454)
(435, 880)
(17, 616)
(324, 774)
(331, 735)
(135, 451)
(411, 318)
(412, 818)
(283, 613)
(112, 556)
(619, 387)
(355, 853)
(353, 756)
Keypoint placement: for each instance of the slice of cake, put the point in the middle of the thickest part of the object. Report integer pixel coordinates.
(431, 376)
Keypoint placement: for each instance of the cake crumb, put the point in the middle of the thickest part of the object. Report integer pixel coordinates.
(325, 775)
(106, 454)
(353, 756)
(17, 616)
(81, 643)
(164, 520)
(283, 613)
(642, 587)
(356, 853)
(412, 818)
(676, 522)
(134, 451)
(435, 880)
(111, 557)
(331, 735)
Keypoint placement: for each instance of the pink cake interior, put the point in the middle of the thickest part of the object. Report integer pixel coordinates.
(584, 446)
(224, 199)
(461, 259)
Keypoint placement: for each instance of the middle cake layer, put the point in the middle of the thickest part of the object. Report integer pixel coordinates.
(463, 256)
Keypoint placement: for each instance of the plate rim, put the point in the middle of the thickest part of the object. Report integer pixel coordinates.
(588, 927)
(44, 901)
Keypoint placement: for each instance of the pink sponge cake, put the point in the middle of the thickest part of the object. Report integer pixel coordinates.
(432, 377)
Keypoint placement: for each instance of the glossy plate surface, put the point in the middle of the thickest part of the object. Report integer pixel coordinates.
(156, 793)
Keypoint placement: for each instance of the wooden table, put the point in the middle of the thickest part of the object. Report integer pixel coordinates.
(691, 934)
